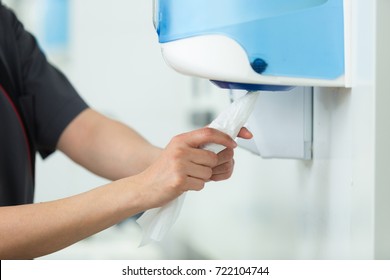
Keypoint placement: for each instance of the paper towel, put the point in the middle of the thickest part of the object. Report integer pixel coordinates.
(156, 222)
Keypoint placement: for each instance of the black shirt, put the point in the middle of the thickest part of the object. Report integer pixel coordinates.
(37, 102)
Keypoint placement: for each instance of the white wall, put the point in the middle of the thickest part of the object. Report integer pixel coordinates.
(382, 133)
(333, 207)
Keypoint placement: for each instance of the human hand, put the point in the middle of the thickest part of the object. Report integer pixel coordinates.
(183, 166)
(225, 165)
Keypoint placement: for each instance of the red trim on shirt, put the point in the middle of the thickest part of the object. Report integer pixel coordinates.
(21, 124)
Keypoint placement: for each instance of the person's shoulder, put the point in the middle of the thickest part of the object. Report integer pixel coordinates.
(5, 13)
(6, 19)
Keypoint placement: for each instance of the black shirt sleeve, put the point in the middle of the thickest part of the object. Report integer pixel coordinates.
(48, 99)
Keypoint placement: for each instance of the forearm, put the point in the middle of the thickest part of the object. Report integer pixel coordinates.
(106, 147)
(34, 230)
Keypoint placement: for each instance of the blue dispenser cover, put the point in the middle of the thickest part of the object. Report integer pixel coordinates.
(292, 38)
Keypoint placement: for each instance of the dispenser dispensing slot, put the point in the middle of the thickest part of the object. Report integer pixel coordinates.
(282, 124)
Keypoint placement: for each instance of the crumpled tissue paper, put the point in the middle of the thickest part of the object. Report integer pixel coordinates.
(156, 222)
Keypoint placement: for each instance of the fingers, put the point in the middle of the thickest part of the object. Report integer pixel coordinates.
(199, 171)
(200, 137)
(203, 157)
(209, 166)
(223, 172)
(245, 133)
(225, 166)
(224, 156)
(184, 166)
(195, 184)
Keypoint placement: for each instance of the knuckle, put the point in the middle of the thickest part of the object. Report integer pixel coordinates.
(178, 180)
(225, 177)
(209, 174)
(229, 153)
(231, 166)
(177, 167)
(178, 154)
(208, 131)
(221, 177)
(228, 167)
(177, 139)
(199, 187)
(213, 159)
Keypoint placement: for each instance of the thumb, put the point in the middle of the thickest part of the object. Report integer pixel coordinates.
(207, 135)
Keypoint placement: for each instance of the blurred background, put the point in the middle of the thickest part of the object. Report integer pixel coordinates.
(269, 209)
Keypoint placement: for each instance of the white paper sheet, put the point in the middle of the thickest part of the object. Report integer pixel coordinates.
(156, 223)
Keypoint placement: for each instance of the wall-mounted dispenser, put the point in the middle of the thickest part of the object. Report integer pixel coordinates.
(259, 45)
(278, 42)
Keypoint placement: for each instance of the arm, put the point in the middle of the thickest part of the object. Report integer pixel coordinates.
(113, 150)
(34, 230)
(106, 147)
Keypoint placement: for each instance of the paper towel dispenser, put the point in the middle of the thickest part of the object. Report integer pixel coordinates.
(263, 45)
(256, 44)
